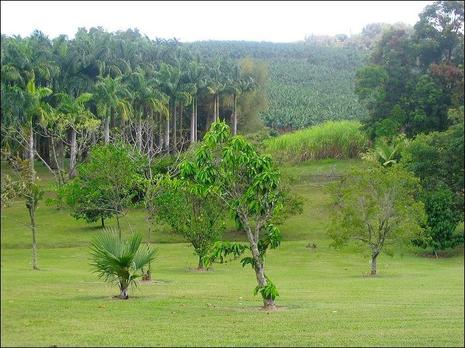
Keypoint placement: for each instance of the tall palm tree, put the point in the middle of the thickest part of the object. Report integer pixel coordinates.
(168, 78)
(196, 76)
(108, 95)
(36, 110)
(78, 118)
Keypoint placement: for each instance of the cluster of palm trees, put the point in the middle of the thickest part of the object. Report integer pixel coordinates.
(60, 96)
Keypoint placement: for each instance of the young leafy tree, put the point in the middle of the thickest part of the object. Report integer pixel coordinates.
(248, 184)
(107, 184)
(86, 201)
(120, 261)
(376, 206)
(26, 187)
(191, 210)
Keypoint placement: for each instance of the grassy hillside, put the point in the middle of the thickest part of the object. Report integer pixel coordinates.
(325, 297)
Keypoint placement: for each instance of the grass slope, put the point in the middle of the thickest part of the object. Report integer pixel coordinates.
(326, 299)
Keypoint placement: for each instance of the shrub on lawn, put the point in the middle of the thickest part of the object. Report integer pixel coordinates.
(120, 261)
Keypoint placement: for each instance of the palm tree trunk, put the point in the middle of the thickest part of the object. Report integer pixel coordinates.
(193, 123)
(167, 133)
(234, 122)
(123, 287)
(160, 131)
(214, 108)
(139, 133)
(58, 167)
(217, 107)
(73, 154)
(196, 122)
(106, 130)
(175, 137)
(31, 152)
(181, 110)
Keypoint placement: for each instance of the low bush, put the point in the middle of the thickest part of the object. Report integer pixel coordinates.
(332, 139)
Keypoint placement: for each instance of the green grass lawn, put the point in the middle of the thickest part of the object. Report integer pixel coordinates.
(325, 299)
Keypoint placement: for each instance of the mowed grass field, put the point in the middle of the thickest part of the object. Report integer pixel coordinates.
(326, 297)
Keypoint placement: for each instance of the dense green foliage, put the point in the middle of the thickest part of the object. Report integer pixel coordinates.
(310, 82)
(149, 101)
(106, 185)
(438, 160)
(120, 261)
(332, 139)
(62, 96)
(376, 206)
(190, 210)
(414, 77)
(387, 151)
(442, 221)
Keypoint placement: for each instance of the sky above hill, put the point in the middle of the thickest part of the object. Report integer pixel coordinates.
(284, 21)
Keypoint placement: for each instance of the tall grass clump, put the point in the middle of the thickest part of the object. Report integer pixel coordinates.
(332, 139)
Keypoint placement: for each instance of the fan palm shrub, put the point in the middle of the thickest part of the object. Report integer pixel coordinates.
(120, 261)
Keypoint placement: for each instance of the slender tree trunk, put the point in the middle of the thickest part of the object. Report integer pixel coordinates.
(150, 138)
(93, 136)
(148, 274)
(46, 150)
(167, 134)
(217, 107)
(57, 167)
(33, 229)
(103, 222)
(196, 122)
(119, 227)
(214, 108)
(61, 154)
(193, 123)
(106, 130)
(175, 136)
(259, 268)
(374, 256)
(181, 111)
(73, 154)
(201, 266)
(160, 131)
(31, 153)
(234, 122)
(139, 133)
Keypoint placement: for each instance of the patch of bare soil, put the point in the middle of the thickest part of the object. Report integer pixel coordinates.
(116, 297)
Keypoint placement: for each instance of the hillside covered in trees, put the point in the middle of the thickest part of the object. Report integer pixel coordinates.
(309, 81)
